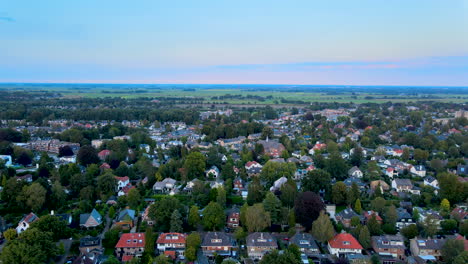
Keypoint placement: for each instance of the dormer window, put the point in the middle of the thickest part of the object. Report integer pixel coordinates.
(261, 240)
(346, 243)
(304, 242)
(216, 240)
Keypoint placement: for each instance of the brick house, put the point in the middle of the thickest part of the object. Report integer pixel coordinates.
(172, 244)
(306, 243)
(260, 243)
(218, 243)
(130, 245)
(427, 247)
(90, 220)
(389, 246)
(233, 220)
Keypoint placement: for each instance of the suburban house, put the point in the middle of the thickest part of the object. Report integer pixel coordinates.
(130, 245)
(306, 243)
(122, 182)
(218, 243)
(103, 154)
(429, 249)
(402, 185)
(388, 247)
(233, 220)
(343, 244)
(90, 220)
(355, 172)
(260, 243)
(431, 181)
(27, 178)
(425, 213)
(89, 243)
(254, 171)
(252, 164)
(404, 218)
(317, 147)
(25, 222)
(391, 172)
(345, 216)
(165, 186)
(125, 219)
(379, 184)
(459, 213)
(367, 215)
(213, 172)
(172, 244)
(418, 170)
(272, 148)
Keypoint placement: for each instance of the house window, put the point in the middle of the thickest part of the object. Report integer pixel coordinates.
(304, 242)
(216, 240)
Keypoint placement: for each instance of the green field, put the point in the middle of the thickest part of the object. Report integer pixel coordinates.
(260, 94)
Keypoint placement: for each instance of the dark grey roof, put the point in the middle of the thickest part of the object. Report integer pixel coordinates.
(389, 241)
(434, 244)
(304, 240)
(261, 239)
(347, 213)
(403, 214)
(89, 241)
(217, 239)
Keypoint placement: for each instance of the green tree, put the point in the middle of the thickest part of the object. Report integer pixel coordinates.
(448, 226)
(445, 205)
(374, 226)
(34, 196)
(221, 197)
(339, 193)
(133, 198)
(462, 258)
(275, 170)
(87, 155)
(272, 205)
(191, 253)
(410, 231)
(54, 225)
(391, 215)
(194, 216)
(322, 228)
(378, 204)
(9, 234)
(358, 206)
(429, 226)
(336, 166)
(106, 184)
(451, 188)
(352, 194)
(257, 218)
(364, 237)
(256, 192)
(213, 217)
(288, 193)
(451, 249)
(176, 222)
(161, 212)
(316, 180)
(111, 238)
(357, 157)
(111, 212)
(193, 240)
(194, 165)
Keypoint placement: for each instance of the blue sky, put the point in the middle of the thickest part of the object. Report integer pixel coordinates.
(349, 42)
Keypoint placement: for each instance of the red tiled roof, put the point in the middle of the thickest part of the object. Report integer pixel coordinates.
(105, 166)
(123, 179)
(163, 238)
(339, 241)
(251, 163)
(104, 152)
(170, 253)
(131, 240)
(126, 258)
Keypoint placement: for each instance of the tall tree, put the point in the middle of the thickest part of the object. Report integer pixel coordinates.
(256, 192)
(194, 165)
(213, 217)
(133, 198)
(322, 228)
(161, 212)
(307, 208)
(257, 218)
(358, 206)
(315, 181)
(336, 166)
(193, 216)
(34, 196)
(176, 222)
(451, 249)
(106, 184)
(272, 205)
(364, 237)
(339, 193)
(87, 155)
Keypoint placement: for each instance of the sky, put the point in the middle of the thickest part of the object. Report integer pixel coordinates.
(347, 42)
